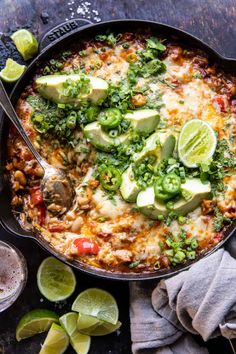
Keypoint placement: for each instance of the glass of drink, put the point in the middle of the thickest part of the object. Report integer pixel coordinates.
(13, 274)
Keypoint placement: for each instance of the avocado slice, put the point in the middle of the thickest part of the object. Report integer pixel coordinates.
(129, 188)
(101, 140)
(193, 188)
(52, 87)
(148, 205)
(160, 144)
(98, 137)
(196, 192)
(143, 121)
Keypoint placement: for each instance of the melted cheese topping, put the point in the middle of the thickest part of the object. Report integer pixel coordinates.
(123, 234)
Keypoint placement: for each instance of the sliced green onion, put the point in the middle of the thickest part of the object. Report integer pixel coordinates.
(179, 256)
(191, 255)
(194, 243)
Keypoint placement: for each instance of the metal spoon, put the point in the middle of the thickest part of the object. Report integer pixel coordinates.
(55, 185)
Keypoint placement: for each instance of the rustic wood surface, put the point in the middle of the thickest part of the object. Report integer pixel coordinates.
(214, 21)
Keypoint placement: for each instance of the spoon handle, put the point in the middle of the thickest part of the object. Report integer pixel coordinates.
(6, 105)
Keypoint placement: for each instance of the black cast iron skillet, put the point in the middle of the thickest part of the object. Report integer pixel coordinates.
(59, 38)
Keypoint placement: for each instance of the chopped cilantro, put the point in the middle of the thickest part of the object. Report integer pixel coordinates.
(145, 69)
(223, 161)
(109, 38)
(154, 43)
(119, 96)
(49, 119)
(219, 220)
(149, 64)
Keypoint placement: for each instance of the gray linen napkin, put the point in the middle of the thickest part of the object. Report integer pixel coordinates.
(201, 300)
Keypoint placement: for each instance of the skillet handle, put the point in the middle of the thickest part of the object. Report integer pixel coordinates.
(62, 30)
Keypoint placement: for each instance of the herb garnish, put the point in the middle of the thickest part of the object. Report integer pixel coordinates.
(179, 248)
(49, 118)
(149, 64)
(223, 162)
(76, 88)
(220, 220)
(109, 38)
(119, 96)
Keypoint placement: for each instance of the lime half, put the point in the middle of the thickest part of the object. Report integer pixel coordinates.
(80, 342)
(12, 71)
(93, 327)
(26, 43)
(197, 143)
(56, 281)
(34, 322)
(97, 303)
(56, 342)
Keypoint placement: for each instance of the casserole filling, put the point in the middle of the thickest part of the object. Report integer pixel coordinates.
(145, 129)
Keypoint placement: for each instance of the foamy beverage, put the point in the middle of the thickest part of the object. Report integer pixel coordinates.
(13, 274)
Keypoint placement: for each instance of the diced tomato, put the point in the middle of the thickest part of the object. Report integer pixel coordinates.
(56, 228)
(222, 102)
(41, 214)
(36, 196)
(105, 56)
(86, 246)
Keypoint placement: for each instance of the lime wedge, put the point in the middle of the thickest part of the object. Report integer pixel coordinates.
(197, 143)
(26, 43)
(80, 342)
(12, 71)
(93, 327)
(97, 303)
(69, 322)
(56, 281)
(34, 322)
(87, 323)
(56, 342)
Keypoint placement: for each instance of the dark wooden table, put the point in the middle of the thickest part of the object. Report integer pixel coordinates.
(214, 21)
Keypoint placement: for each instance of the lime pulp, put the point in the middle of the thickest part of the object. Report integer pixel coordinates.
(197, 143)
